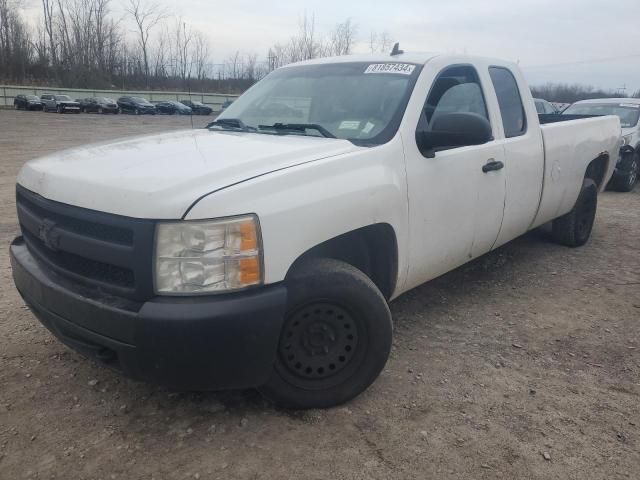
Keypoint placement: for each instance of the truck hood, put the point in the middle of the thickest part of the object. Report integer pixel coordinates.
(161, 176)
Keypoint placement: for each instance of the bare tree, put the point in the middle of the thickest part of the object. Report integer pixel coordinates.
(183, 39)
(200, 55)
(48, 11)
(233, 67)
(380, 42)
(146, 16)
(249, 70)
(342, 38)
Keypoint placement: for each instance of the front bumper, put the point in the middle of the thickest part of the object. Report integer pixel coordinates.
(190, 343)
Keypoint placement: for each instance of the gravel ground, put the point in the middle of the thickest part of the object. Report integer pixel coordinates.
(524, 364)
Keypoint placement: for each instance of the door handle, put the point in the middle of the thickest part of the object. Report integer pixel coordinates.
(492, 166)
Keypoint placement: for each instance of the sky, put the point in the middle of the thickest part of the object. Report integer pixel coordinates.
(585, 41)
(592, 42)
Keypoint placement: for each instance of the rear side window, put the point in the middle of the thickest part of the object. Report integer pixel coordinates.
(514, 119)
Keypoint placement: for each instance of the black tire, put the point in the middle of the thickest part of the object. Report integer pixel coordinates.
(626, 181)
(574, 228)
(335, 340)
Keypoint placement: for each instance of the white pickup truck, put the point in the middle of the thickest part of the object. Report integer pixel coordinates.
(263, 250)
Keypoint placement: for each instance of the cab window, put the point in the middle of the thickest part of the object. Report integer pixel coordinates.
(456, 90)
(514, 119)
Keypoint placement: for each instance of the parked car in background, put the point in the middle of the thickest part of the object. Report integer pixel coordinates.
(171, 107)
(98, 105)
(137, 105)
(27, 102)
(59, 103)
(628, 110)
(198, 108)
(263, 250)
(544, 108)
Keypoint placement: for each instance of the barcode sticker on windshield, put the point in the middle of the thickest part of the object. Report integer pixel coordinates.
(399, 68)
(349, 125)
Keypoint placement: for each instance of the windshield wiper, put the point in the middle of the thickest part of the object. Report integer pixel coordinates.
(298, 127)
(232, 124)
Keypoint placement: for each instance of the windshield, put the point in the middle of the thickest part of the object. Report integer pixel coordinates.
(105, 100)
(361, 102)
(32, 97)
(63, 98)
(139, 100)
(628, 112)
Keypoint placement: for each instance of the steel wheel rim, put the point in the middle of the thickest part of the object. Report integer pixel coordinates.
(318, 341)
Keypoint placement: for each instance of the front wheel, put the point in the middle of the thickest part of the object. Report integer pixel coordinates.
(574, 228)
(335, 340)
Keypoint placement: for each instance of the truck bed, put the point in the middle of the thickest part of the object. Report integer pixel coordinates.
(571, 143)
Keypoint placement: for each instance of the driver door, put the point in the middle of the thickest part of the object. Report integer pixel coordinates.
(455, 204)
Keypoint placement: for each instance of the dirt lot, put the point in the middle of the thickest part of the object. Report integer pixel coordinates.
(530, 352)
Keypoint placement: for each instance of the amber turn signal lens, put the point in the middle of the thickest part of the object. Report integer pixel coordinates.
(249, 271)
(248, 236)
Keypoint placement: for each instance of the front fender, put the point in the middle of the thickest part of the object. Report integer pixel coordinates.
(305, 205)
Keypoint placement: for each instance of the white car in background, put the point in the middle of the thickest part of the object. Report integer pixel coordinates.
(628, 109)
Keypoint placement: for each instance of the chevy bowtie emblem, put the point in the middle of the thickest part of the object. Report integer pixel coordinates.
(48, 234)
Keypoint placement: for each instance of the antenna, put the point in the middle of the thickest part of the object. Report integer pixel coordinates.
(396, 50)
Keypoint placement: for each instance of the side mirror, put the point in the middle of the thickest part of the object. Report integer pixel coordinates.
(451, 130)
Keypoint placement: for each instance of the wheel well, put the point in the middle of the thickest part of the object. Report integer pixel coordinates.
(372, 250)
(597, 169)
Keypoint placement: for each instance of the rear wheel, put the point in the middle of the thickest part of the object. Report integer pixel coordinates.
(574, 228)
(335, 340)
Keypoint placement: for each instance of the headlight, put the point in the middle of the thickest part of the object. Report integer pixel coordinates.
(198, 257)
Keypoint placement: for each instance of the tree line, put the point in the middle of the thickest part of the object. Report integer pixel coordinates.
(565, 93)
(83, 44)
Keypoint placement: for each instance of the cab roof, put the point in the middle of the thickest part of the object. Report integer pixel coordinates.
(418, 58)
